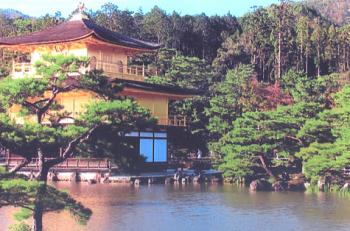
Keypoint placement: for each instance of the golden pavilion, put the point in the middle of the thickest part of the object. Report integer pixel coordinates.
(110, 52)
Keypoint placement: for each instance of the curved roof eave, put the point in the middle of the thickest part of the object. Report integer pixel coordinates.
(123, 45)
(49, 42)
(158, 88)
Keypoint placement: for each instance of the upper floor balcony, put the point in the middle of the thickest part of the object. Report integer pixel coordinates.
(121, 71)
(173, 121)
(170, 121)
(20, 70)
(110, 69)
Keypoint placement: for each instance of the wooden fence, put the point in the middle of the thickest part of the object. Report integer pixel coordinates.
(69, 164)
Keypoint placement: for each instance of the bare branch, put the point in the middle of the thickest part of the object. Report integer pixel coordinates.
(50, 101)
(295, 139)
(31, 105)
(264, 165)
(20, 165)
(16, 204)
(54, 92)
(15, 169)
(69, 151)
(67, 88)
(41, 101)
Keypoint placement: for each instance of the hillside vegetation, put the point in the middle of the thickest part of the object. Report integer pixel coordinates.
(12, 14)
(337, 11)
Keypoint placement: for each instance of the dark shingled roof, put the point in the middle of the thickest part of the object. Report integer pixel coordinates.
(157, 87)
(75, 30)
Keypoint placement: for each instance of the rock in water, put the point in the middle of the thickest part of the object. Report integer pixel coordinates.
(345, 187)
(297, 185)
(278, 186)
(260, 185)
(92, 181)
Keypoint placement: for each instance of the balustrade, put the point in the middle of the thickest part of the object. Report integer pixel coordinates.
(19, 70)
(130, 72)
(70, 163)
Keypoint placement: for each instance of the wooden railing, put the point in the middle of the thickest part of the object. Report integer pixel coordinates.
(174, 121)
(130, 72)
(19, 70)
(177, 121)
(71, 163)
(191, 162)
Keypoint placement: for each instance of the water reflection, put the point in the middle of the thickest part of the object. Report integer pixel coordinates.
(197, 207)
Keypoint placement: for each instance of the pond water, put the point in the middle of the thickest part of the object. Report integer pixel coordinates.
(196, 207)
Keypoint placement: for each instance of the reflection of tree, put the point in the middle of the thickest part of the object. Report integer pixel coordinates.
(327, 209)
(24, 194)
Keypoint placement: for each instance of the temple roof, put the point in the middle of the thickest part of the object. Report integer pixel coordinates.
(157, 87)
(76, 29)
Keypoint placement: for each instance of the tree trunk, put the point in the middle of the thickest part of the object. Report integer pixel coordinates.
(301, 50)
(279, 69)
(347, 60)
(43, 168)
(38, 204)
(307, 61)
(267, 170)
(344, 60)
(263, 70)
(37, 218)
(338, 58)
(38, 209)
(319, 60)
(307, 49)
(318, 49)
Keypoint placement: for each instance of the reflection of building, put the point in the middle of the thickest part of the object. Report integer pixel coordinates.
(111, 52)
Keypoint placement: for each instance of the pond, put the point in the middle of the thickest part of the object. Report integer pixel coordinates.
(196, 207)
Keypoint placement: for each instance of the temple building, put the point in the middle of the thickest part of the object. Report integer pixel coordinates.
(110, 52)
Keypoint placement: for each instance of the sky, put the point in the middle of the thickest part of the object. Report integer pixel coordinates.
(209, 7)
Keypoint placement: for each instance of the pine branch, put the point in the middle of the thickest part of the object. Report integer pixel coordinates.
(20, 165)
(69, 151)
(30, 105)
(16, 168)
(295, 139)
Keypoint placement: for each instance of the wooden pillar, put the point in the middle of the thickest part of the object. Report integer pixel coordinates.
(13, 66)
(8, 156)
(23, 68)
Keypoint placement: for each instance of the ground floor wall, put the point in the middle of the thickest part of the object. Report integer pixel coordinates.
(146, 150)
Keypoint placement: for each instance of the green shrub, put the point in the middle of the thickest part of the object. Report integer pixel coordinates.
(2, 170)
(20, 227)
(23, 214)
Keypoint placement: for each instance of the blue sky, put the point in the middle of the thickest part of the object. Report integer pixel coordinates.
(210, 7)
